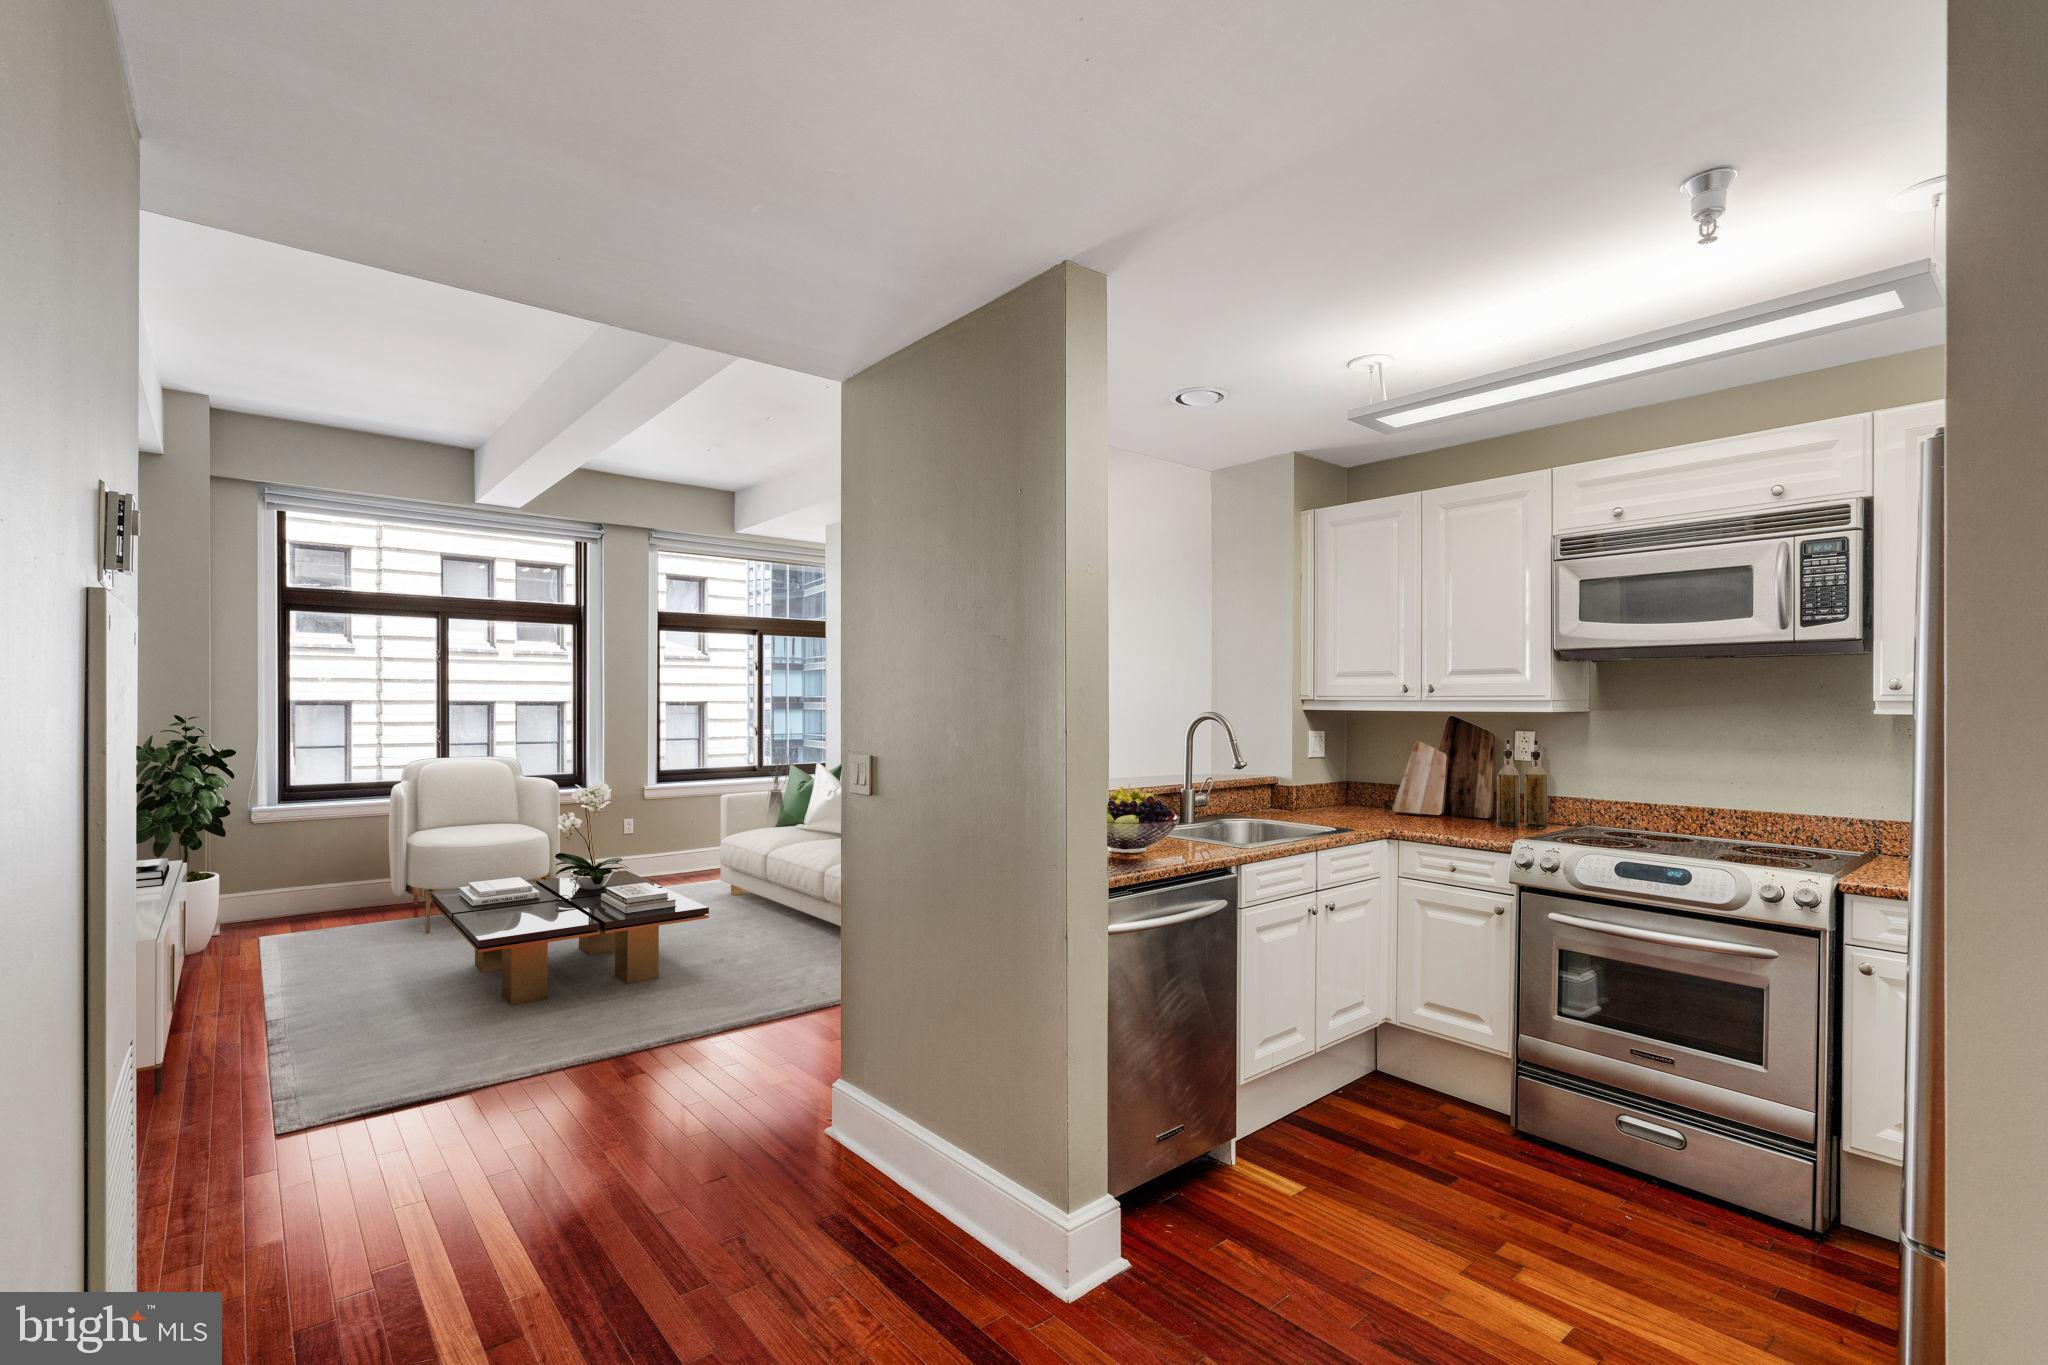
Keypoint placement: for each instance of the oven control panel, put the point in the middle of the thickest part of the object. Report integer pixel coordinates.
(1685, 883)
(1767, 894)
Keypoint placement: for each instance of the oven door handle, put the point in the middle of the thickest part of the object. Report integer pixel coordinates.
(1705, 945)
(1784, 585)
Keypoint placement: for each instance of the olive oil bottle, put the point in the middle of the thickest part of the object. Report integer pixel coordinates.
(1507, 791)
(1536, 792)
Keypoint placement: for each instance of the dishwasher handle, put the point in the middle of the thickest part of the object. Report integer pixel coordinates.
(1193, 912)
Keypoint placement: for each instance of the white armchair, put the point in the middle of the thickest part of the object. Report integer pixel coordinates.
(456, 820)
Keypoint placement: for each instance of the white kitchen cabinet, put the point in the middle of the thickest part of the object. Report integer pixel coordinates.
(1354, 960)
(1813, 462)
(1895, 551)
(1454, 964)
(1874, 1053)
(1276, 879)
(1276, 984)
(1877, 922)
(1486, 594)
(1431, 601)
(1364, 599)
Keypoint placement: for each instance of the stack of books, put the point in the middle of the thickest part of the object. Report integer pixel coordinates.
(630, 899)
(499, 891)
(152, 871)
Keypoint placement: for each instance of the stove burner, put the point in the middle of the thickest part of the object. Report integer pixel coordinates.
(1603, 841)
(1749, 859)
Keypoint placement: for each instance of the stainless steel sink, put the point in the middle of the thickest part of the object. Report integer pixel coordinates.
(1249, 833)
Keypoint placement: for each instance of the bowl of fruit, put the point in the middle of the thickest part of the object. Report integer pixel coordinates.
(1137, 821)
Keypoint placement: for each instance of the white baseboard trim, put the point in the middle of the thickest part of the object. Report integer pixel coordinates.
(1068, 1253)
(676, 860)
(278, 902)
(237, 907)
(1273, 1096)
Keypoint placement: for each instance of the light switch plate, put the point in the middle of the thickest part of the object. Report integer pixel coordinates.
(860, 774)
(1315, 744)
(1525, 745)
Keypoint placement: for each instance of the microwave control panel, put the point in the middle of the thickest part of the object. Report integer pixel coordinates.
(1824, 581)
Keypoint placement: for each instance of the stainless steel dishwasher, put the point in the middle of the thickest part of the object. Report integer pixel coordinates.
(1172, 1025)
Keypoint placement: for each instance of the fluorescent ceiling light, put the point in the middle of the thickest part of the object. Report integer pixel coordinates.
(1891, 293)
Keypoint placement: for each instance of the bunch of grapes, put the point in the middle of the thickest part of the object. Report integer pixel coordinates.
(1128, 806)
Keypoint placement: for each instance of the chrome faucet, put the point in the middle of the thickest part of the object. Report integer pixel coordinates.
(1189, 802)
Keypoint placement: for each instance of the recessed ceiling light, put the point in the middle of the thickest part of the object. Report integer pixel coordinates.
(1909, 289)
(1199, 398)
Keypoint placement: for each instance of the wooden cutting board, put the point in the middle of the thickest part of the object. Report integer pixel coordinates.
(1422, 782)
(1470, 758)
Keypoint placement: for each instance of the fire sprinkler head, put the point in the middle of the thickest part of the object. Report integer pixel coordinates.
(1708, 193)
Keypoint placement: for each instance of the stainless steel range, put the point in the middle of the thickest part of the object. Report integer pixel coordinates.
(1677, 1011)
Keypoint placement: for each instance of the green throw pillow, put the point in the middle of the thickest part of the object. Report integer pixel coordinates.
(796, 795)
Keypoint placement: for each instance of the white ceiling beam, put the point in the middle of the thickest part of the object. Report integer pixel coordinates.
(149, 394)
(608, 388)
(797, 504)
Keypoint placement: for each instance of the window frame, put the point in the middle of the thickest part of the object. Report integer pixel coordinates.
(347, 602)
(710, 623)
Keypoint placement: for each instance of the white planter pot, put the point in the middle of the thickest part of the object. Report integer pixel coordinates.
(202, 912)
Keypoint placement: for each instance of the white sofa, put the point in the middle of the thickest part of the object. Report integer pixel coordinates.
(787, 864)
(456, 820)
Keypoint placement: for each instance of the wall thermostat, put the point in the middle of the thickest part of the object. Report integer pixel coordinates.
(119, 524)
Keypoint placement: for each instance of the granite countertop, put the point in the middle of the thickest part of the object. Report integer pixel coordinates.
(1884, 875)
(1359, 825)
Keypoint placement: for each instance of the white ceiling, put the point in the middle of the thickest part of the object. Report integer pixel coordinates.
(265, 328)
(745, 425)
(271, 329)
(1470, 184)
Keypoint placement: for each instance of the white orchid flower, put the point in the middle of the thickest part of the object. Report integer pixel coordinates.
(595, 798)
(569, 822)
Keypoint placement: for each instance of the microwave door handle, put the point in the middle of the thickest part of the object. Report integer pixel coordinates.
(1705, 945)
(1784, 585)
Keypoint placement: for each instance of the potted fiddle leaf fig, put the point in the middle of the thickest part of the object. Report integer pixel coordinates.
(181, 796)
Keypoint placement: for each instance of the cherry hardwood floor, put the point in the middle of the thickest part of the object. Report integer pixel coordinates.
(683, 1203)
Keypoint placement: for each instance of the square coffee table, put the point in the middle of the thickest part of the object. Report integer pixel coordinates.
(513, 940)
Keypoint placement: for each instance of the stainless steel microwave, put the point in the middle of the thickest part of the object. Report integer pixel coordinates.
(1791, 580)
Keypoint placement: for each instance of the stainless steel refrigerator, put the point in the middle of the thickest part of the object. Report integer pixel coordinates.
(1923, 1286)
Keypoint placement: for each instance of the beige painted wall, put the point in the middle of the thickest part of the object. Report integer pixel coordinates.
(1997, 662)
(1316, 484)
(248, 451)
(1759, 734)
(176, 567)
(68, 220)
(975, 950)
(1255, 533)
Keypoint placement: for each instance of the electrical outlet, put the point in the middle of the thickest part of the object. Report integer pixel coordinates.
(1525, 745)
(628, 823)
(1315, 744)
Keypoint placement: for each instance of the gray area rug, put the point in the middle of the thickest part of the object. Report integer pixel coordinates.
(371, 1017)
